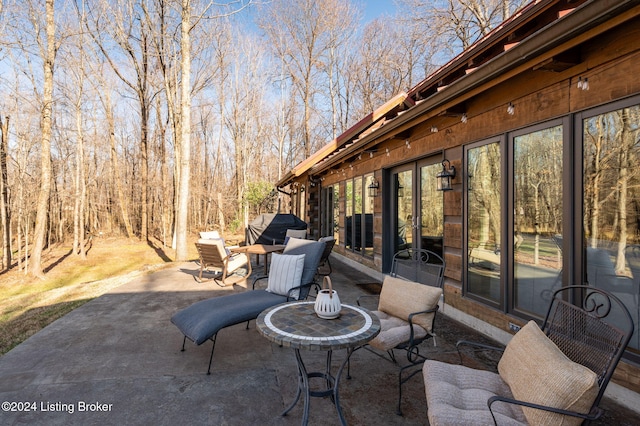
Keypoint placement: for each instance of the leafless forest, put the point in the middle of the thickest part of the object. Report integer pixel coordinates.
(156, 118)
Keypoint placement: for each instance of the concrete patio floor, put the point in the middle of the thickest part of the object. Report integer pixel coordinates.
(117, 360)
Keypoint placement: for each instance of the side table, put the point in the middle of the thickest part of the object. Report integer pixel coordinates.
(259, 249)
(296, 325)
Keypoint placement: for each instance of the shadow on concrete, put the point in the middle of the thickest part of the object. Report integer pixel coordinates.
(121, 353)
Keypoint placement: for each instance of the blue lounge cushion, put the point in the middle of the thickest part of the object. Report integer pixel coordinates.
(202, 320)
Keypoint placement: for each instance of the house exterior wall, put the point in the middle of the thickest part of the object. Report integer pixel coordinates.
(610, 60)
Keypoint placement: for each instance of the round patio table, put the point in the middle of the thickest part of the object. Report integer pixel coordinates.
(296, 325)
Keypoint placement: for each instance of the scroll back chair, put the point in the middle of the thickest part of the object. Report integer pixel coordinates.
(407, 310)
(553, 374)
(419, 265)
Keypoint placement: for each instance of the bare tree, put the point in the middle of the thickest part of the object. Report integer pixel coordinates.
(48, 54)
(302, 33)
(4, 194)
(457, 24)
(131, 34)
(184, 145)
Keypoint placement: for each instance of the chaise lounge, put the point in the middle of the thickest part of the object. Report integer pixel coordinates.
(298, 264)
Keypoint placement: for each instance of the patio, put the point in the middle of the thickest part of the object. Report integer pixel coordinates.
(117, 360)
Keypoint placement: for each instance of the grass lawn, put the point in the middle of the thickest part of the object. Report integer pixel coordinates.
(28, 304)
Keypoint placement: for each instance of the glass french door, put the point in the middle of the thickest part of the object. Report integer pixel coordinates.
(418, 217)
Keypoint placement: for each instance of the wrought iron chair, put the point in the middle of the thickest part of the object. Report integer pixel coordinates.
(423, 266)
(553, 374)
(407, 311)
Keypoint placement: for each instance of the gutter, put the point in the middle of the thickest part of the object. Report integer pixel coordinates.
(343, 139)
(584, 18)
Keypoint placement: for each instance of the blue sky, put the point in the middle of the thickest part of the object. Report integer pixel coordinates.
(376, 8)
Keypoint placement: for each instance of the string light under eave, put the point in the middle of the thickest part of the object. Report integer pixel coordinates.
(583, 84)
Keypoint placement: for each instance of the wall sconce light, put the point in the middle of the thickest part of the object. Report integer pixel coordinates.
(407, 143)
(464, 118)
(443, 179)
(388, 152)
(511, 109)
(434, 129)
(583, 84)
(373, 188)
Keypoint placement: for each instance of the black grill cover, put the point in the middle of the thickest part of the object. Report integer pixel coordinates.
(270, 228)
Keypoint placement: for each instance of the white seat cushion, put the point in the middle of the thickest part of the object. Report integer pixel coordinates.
(394, 331)
(236, 261)
(207, 235)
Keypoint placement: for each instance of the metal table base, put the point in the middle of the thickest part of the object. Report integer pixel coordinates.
(332, 385)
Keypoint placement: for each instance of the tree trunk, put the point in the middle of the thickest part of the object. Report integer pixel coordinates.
(182, 213)
(45, 160)
(82, 186)
(627, 138)
(115, 173)
(4, 195)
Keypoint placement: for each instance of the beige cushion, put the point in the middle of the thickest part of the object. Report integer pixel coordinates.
(400, 298)
(296, 233)
(236, 261)
(394, 331)
(537, 371)
(206, 235)
(285, 273)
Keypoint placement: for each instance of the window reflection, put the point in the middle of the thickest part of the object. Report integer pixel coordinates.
(537, 218)
(431, 210)
(336, 213)
(611, 204)
(349, 214)
(368, 217)
(483, 221)
(359, 215)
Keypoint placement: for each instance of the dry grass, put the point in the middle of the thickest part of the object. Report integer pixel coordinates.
(28, 304)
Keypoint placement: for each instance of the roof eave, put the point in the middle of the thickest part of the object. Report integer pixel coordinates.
(584, 18)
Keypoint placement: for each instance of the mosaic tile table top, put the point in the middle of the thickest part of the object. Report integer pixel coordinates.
(296, 325)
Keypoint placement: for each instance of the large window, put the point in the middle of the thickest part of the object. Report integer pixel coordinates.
(359, 215)
(611, 204)
(336, 213)
(484, 224)
(537, 218)
(553, 205)
(330, 211)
